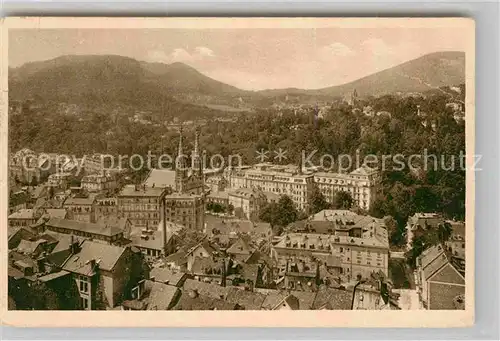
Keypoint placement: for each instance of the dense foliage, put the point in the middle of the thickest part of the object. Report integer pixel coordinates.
(342, 130)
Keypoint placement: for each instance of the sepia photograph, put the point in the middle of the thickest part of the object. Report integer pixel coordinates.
(243, 164)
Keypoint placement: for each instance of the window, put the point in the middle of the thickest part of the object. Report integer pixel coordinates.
(84, 284)
(84, 302)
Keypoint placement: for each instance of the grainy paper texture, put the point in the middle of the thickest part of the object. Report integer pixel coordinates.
(340, 86)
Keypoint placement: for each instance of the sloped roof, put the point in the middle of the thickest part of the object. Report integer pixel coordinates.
(161, 296)
(25, 213)
(178, 257)
(165, 275)
(332, 299)
(29, 247)
(249, 300)
(240, 247)
(105, 255)
(190, 301)
(206, 289)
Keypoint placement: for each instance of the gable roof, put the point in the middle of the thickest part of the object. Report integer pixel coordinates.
(240, 247)
(291, 301)
(161, 296)
(105, 255)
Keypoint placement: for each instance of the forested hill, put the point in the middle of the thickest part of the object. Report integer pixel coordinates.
(106, 79)
(422, 74)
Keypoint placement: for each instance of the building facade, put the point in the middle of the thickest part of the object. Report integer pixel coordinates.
(98, 183)
(246, 202)
(355, 245)
(81, 207)
(142, 205)
(360, 183)
(280, 180)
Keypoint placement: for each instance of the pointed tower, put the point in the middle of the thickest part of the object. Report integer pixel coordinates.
(196, 162)
(180, 167)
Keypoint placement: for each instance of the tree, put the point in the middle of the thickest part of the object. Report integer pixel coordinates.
(281, 213)
(318, 201)
(342, 200)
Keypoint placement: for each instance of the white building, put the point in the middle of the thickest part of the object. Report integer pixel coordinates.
(98, 183)
(360, 183)
(276, 179)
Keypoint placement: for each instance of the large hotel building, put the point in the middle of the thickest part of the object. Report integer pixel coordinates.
(298, 185)
(277, 179)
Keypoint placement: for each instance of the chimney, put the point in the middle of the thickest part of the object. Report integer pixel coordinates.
(92, 264)
(73, 245)
(223, 281)
(164, 228)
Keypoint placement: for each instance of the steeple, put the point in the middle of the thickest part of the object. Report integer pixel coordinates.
(180, 166)
(196, 157)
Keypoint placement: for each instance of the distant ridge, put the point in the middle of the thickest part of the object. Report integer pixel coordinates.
(112, 78)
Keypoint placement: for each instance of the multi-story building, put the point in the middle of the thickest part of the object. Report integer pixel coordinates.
(59, 180)
(101, 232)
(142, 205)
(98, 183)
(185, 209)
(421, 222)
(360, 183)
(246, 202)
(24, 217)
(81, 207)
(287, 180)
(105, 207)
(440, 279)
(103, 273)
(216, 183)
(356, 245)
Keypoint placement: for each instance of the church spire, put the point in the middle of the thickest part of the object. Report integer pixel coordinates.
(196, 157)
(179, 151)
(180, 166)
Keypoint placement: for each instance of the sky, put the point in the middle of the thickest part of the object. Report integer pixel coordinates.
(250, 59)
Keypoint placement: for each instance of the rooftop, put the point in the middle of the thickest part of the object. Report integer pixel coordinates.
(321, 242)
(141, 191)
(167, 276)
(161, 296)
(96, 229)
(161, 178)
(75, 200)
(25, 213)
(106, 256)
(332, 299)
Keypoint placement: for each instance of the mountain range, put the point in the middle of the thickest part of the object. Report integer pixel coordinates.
(118, 79)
